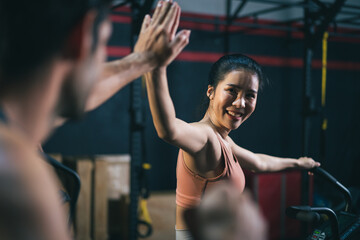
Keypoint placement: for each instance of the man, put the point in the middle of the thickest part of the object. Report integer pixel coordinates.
(51, 59)
(226, 214)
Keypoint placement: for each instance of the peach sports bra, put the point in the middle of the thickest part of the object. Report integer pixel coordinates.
(191, 187)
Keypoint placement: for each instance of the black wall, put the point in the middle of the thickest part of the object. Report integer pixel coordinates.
(274, 128)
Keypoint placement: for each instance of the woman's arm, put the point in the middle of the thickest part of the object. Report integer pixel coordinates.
(266, 163)
(190, 137)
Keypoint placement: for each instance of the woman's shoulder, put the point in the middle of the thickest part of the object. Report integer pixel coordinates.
(205, 127)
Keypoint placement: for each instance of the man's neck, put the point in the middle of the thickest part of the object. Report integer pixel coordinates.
(28, 118)
(32, 110)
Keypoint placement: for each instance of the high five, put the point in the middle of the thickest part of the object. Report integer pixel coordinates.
(207, 154)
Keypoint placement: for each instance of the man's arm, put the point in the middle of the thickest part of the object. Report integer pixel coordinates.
(30, 205)
(116, 75)
(152, 49)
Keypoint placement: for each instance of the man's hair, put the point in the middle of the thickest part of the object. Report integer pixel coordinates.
(32, 32)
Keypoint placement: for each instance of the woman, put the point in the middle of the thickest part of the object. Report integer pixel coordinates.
(207, 154)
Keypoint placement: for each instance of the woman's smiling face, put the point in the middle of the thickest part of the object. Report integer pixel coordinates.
(234, 99)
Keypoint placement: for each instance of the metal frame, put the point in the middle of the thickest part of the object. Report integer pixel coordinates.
(352, 13)
(138, 9)
(318, 16)
(316, 20)
(137, 118)
(290, 25)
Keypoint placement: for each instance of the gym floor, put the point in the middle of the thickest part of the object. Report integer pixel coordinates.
(162, 208)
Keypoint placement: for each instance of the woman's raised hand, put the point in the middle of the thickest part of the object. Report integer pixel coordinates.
(158, 40)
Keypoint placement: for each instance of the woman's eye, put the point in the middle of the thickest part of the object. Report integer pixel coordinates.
(252, 96)
(231, 90)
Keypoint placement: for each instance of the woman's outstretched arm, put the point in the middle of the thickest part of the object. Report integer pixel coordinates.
(265, 163)
(190, 137)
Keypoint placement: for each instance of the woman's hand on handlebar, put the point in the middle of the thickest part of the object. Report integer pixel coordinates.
(307, 163)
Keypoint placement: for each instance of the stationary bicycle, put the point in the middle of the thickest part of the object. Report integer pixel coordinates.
(327, 223)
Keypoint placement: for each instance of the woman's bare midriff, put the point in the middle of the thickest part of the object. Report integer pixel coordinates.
(180, 222)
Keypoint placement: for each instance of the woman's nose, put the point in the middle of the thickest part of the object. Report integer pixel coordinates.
(239, 102)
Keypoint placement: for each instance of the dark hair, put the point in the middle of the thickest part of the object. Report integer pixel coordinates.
(225, 65)
(234, 62)
(32, 32)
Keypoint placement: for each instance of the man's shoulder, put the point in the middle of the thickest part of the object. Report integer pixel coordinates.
(10, 137)
(14, 150)
(28, 191)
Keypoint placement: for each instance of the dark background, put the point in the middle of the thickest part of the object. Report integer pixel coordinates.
(275, 127)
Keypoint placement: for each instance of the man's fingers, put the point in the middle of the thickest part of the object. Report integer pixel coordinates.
(145, 23)
(163, 11)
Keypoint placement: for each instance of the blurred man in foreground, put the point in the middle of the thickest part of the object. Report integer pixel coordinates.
(52, 56)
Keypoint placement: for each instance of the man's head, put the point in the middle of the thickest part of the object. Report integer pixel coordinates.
(34, 34)
(226, 214)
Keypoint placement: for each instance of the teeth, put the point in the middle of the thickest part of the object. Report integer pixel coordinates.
(234, 114)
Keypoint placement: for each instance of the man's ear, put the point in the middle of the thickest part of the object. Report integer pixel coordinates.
(79, 42)
(210, 92)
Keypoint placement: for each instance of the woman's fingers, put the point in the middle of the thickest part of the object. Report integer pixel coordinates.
(161, 12)
(309, 162)
(180, 41)
(157, 11)
(170, 18)
(175, 24)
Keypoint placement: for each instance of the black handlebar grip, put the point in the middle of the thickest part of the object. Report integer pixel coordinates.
(303, 213)
(321, 172)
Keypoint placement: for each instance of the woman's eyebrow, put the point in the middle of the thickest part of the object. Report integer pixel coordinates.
(234, 85)
(253, 91)
(240, 87)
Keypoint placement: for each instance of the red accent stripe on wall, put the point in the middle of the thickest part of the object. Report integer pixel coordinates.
(278, 61)
(263, 60)
(118, 51)
(122, 9)
(351, 66)
(120, 19)
(198, 26)
(186, 24)
(199, 56)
